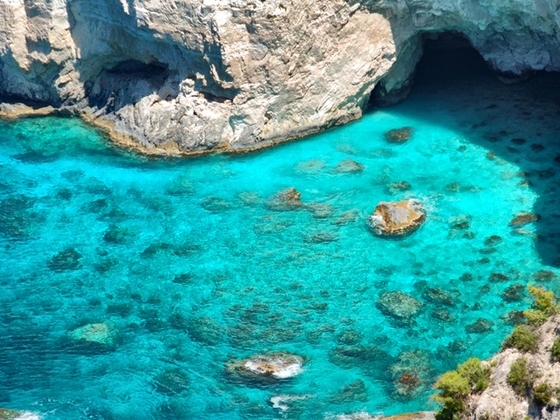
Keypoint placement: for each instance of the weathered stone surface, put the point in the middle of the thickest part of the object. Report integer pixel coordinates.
(500, 402)
(266, 367)
(194, 76)
(397, 218)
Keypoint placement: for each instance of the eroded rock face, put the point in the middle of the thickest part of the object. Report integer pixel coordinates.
(193, 76)
(397, 218)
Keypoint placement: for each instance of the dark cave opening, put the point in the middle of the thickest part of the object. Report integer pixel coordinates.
(449, 56)
(515, 119)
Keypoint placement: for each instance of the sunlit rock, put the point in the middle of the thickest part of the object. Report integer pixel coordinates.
(266, 367)
(397, 218)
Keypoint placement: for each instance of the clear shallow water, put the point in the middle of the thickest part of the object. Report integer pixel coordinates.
(193, 269)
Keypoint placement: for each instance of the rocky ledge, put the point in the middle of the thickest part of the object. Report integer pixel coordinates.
(196, 76)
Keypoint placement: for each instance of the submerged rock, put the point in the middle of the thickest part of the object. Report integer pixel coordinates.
(266, 367)
(480, 326)
(288, 199)
(215, 204)
(349, 166)
(397, 218)
(436, 295)
(356, 391)
(320, 237)
(397, 187)
(411, 373)
(399, 305)
(347, 217)
(68, 259)
(116, 235)
(171, 382)
(205, 330)
(544, 275)
(514, 293)
(492, 240)
(313, 166)
(101, 335)
(523, 218)
(399, 135)
(320, 210)
(461, 222)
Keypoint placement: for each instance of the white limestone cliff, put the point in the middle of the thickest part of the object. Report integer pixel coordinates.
(193, 76)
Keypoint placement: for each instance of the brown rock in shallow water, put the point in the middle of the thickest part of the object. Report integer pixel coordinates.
(272, 366)
(397, 218)
(349, 166)
(522, 218)
(399, 135)
(288, 199)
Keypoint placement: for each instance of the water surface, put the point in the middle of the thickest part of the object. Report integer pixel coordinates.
(193, 268)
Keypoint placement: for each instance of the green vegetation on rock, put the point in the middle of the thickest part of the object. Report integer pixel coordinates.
(455, 386)
(523, 338)
(519, 377)
(544, 305)
(542, 394)
(555, 351)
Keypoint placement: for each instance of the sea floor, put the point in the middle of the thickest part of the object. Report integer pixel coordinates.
(192, 265)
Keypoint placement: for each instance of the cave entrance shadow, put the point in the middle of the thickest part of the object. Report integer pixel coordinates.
(518, 123)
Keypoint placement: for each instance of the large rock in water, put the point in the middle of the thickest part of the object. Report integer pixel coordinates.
(101, 335)
(397, 218)
(196, 76)
(7, 414)
(399, 305)
(266, 367)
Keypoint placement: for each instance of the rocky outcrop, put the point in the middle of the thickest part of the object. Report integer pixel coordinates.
(397, 218)
(193, 76)
(500, 402)
(266, 367)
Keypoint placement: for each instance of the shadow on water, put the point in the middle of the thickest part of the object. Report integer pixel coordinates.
(517, 123)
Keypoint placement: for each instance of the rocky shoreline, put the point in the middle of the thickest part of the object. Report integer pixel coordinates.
(188, 77)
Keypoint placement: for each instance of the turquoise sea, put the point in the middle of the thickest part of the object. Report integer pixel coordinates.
(186, 259)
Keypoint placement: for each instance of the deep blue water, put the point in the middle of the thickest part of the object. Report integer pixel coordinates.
(186, 260)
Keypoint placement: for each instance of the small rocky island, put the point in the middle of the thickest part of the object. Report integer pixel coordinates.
(397, 218)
